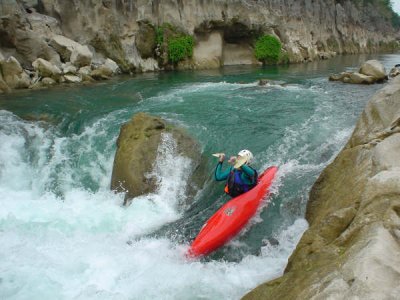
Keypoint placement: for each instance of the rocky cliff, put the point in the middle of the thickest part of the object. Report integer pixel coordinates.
(352, 247)
(134, 33)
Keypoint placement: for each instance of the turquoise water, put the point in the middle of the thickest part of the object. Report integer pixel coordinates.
(64, 235)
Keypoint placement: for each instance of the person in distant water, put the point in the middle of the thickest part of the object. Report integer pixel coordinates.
(240, 177)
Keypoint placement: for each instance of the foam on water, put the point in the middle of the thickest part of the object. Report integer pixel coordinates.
(62, 240)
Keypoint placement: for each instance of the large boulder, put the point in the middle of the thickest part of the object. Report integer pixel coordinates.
(137, 149)
(352, 247)
(13, 74)
(373, 68)
(72, 51)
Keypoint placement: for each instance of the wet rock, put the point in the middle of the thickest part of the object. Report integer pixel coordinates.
(373, 68)
(339, 77)
(358, 78)
(263, 82)
(137, 147)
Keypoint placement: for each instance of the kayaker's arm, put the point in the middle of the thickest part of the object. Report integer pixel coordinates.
(219, 174)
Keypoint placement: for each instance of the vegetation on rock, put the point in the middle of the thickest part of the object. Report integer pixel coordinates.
(268, 49)
(180, 47)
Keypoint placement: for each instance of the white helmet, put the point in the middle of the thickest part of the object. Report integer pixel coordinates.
(247, 154)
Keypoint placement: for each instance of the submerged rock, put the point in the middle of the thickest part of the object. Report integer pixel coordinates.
(263, 82)
(137, 147)
(352, 247)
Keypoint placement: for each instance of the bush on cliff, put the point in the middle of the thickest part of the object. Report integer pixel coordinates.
(268, 49)
(180, 48)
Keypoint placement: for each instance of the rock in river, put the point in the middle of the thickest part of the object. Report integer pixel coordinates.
(137, 150)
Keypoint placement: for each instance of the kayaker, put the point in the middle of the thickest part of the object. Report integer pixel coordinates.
(240, 177)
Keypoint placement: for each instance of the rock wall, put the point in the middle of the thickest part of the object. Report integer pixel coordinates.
(352, 247)
(125, 31)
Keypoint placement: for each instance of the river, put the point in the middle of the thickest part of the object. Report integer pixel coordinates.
(65, 235)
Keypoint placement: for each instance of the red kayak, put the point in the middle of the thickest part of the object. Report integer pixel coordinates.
(231, 217)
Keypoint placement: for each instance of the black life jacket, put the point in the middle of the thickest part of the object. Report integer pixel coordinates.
(235, 185)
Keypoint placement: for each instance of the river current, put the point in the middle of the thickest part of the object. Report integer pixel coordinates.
(65, 235)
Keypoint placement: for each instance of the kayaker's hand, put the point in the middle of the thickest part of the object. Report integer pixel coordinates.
(232, 160)
(222, 157)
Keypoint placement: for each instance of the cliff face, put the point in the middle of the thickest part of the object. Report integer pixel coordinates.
(133, 34)
(352, 248)
(307, 28)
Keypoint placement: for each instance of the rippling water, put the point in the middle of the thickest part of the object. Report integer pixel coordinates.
(64, 235)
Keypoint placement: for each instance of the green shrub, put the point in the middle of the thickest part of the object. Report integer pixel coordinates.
(180, 48)
(268, 49)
